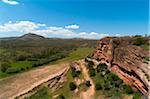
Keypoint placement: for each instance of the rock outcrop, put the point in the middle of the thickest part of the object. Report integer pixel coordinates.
(53, 83)
(126, 60)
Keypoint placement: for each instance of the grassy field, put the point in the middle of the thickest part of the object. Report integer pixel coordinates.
(77, 54)
(22, 66)
(2, 50)
(17, 66)
(146, 46)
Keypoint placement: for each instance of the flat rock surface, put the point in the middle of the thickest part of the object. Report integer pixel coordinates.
(22, 83)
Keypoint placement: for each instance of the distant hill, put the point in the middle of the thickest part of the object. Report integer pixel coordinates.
(31, 36)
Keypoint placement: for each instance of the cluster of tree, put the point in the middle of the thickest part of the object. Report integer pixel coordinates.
(33, 50)
(5, 66)
(92, 71)
(108, 82)
(75, 73)
(40, 51)
(139, 41)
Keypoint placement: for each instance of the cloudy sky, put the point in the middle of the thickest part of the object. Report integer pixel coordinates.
(74, 18)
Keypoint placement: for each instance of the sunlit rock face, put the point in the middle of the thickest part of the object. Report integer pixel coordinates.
(125, 60)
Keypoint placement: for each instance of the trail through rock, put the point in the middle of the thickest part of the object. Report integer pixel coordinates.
(89, 94)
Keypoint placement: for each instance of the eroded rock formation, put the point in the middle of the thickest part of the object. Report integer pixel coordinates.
(53, 83)
(126, 60)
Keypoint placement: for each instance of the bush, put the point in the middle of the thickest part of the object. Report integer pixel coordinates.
(22, 69)
(147, 58)
(35, 65)
(114, 77)
(92, 72)
(21, 58)
(61, 96)
(90, 65)
(127, 89)
(32, 59)
(72, 86)
(139, 41)
(75, 73)
(42, 93)
(4, 67)
(12, 70)
(137, 95)
(87, 83)
(98, 86)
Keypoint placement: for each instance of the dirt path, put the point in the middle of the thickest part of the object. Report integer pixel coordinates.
(89, 94)
(21, 83)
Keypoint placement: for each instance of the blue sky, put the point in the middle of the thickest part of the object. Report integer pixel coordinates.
(93, 18)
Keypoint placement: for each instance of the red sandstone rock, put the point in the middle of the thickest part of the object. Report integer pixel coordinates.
(126, 60)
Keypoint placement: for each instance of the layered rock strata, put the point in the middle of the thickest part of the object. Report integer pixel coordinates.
(126, 60)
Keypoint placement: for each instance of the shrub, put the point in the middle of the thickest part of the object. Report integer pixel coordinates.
(87, 83)
(114, 77)
(147, 58)
(12, 70)
(21, 58)
(61, 96)
(101, 67)
(75, 73)
(139, 41)
(42, 93)
(98, 86)
(35, 65)
(90, 65)
(22, 69)
(4, 67)
(127, 89)
(107, 86)
(137, 95)
(92, 72)
(32, 59)
(117, 94)
(72, 86)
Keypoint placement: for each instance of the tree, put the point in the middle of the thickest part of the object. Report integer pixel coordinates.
(90, 64)
(127, 89)
(98, 86)
(12, 70)
(139, 41)
(75, 73)
(92, 72)
(61, 96)
(114, 77)
(4, 67)
(87, 83)
(137, 95)
(72, 86)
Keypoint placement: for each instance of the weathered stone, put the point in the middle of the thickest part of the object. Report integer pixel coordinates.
(126, 60)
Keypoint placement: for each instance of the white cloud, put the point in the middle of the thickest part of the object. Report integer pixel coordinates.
(21, 26)
(52, 31)
(72, 27)
(92, 35)
(11, 2)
